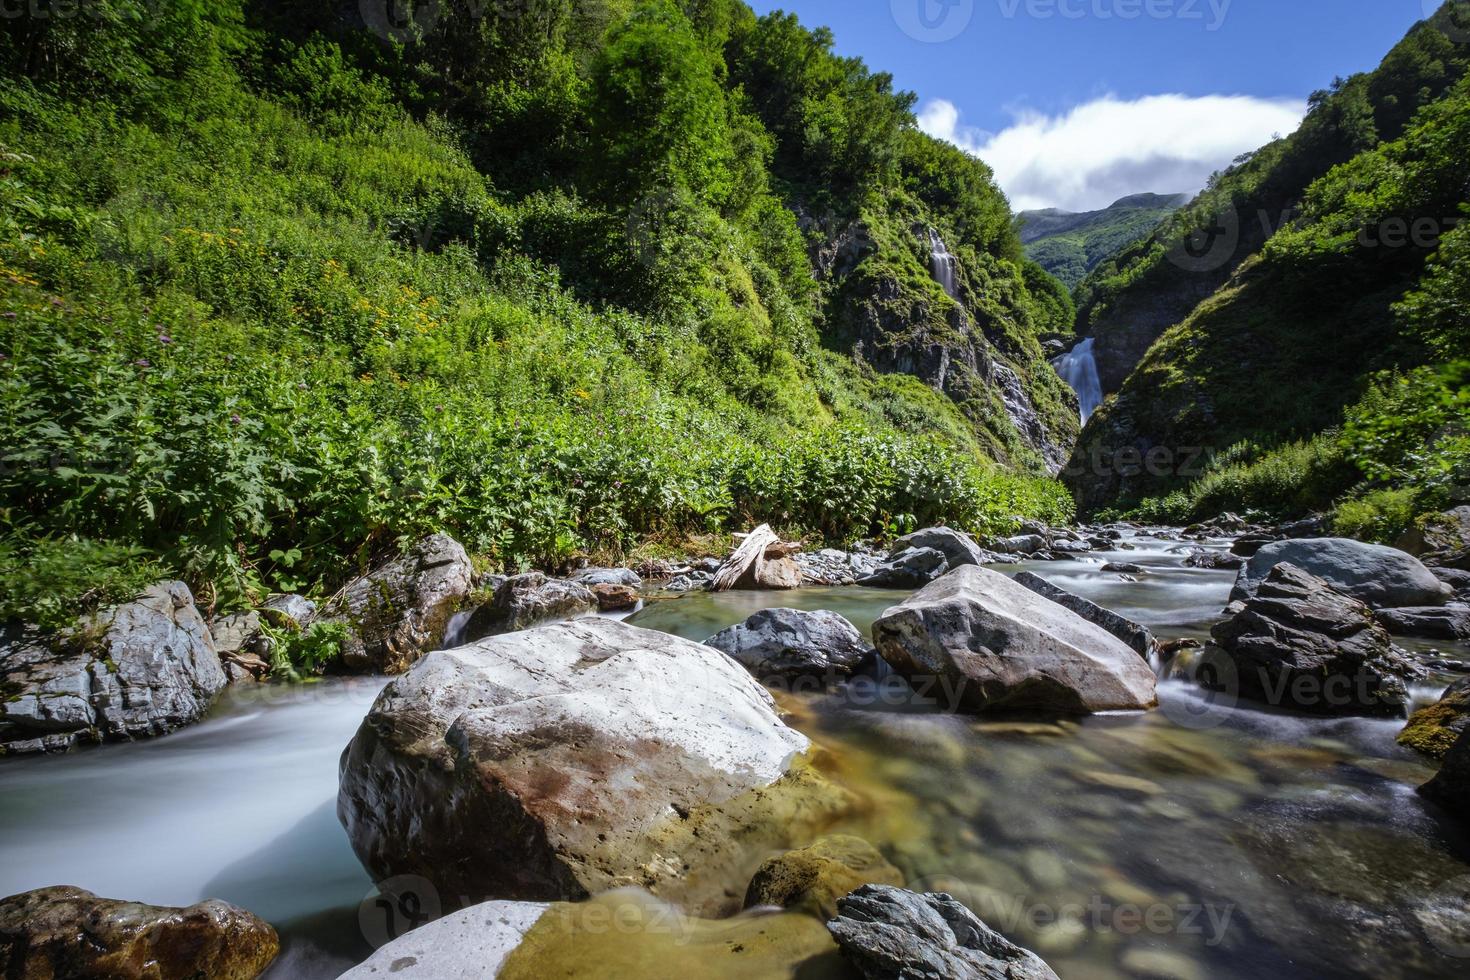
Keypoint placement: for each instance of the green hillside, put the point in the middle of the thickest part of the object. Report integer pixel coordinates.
(281, 289)
(1329, 368)
(1070, 244)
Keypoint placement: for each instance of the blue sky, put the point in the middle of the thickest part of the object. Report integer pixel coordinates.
(1078, 102)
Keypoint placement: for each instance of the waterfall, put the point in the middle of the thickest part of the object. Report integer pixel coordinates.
(1078, 368)
(943, 264)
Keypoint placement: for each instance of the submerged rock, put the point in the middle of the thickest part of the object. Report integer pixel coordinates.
(982, 642)
(1384, 578)
(1300, 643)
(66, 932)
(566, 760)
(1434, 729)
(814, 878)
(141, 669)
(889, 933)
(777, 643)
(910, 570)
(1140, 638)
(400, 611)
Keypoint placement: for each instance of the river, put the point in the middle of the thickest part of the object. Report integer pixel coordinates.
(1199, 840)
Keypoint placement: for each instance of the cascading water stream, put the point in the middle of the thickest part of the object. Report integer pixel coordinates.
(1078, 367)
(943, 264)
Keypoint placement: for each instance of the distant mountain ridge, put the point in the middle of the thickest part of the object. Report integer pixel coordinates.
(1071, 244)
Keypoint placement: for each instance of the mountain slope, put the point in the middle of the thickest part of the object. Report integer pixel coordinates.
(284, 288)
(1069, 244)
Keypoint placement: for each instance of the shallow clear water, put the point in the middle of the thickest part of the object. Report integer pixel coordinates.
(1193, 841)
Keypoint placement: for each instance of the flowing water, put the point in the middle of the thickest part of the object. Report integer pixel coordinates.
(943, 264)
(1199, 840)
(1078, 367)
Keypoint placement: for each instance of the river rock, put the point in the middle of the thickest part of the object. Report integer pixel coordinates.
(524, 601)
(1454, 578)
(1020, 544)
(1451, 622)
(1140, 638)
(65, 932)
(291, 612)
(608, 576)
(567, 760)
(1384, 578)
(814, 878)
(988, 643)
(1214, 560)
(833, 567)
(910, 570)
(957, 547)
(1451, 787)
(891, 934)
(400, 611)
(779, 643)
(1433, 729)
(615, 598)
(1439, 534)
(140, 669)
(1300, 643)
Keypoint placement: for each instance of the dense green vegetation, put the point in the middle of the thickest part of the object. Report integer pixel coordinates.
(279, 293)
(1070, 245)
(1332, 360)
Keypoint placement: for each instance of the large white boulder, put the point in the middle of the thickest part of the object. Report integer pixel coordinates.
(978, 641)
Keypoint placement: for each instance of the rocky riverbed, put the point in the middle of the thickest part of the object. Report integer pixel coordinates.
(1211, 837)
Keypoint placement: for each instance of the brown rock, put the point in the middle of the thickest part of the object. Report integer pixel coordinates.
(615, 598)
(814, 878)
(66, 933)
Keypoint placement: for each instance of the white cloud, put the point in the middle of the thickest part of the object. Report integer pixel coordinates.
(1109, 148)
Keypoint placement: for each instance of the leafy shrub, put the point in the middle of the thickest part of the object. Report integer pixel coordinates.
(50, 582)
(1379, 516)
(298, 654)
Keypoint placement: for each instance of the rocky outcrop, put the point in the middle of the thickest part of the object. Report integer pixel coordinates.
(566, 760)
(814, 878)
(66, 932)
(1434, 729)
(1299, 643)
(140, 669)
(775, 644)
(1140, 638)
(1384, 578)
(982, 642)
(400, 611)
(524, 601)
(888, 933)
(908, 570)
(1451, 787)
(1439, 535)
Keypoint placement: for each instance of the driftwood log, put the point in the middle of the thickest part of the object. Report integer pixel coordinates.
(763, 561)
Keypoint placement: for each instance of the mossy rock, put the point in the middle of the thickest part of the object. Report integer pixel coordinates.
(813, 879)
(1433, 730)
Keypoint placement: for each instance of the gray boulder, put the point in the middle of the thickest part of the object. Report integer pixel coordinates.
(1451, 622)
(1020, 544)
(608, 576)
(400, 611)
(563, 761)
(1384, 578)
(1439, 534)
(65, 932)
(890, 933)
(910, 570)
(957, 547)
(1214, 560)
(1451, 787)
(1140, 638)
(781, 643)
(524, 601)
(1299, 643)
(983, 642)
(141, 669)
(291, 612)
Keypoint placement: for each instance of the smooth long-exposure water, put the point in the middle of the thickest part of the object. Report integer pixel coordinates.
(1199, 840)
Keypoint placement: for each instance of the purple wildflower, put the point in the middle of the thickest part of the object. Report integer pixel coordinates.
(142, 362)
(235, 419)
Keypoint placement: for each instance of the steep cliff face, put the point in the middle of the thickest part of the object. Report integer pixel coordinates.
(1128, 302)
(975, 341)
